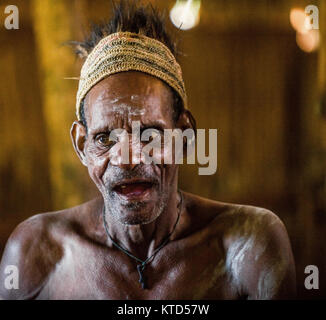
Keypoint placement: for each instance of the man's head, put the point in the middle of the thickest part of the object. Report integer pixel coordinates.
(133, 193)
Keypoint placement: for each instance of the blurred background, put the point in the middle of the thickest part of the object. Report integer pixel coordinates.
(252, 70)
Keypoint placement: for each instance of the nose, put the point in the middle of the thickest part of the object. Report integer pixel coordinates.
(126, 153)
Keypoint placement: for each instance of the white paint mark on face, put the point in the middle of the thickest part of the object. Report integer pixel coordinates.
(115, 100)
(123, 109)
(135, 97)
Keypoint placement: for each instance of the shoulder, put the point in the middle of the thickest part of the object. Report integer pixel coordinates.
(234, 220)
(231, 219)
(31, 252)
(259, 257)
(34, 249)
(258, 254)
(245, 220)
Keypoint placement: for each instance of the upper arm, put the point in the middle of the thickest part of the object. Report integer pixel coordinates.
(273, 275)
(263, 261)
(26, 261)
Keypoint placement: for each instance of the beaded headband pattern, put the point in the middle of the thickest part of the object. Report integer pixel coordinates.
(126, 51)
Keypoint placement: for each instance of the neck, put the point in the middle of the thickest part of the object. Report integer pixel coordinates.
(142, 240)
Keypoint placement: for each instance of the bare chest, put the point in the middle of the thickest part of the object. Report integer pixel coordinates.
(176, 272)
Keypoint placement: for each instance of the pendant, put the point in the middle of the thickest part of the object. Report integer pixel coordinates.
(140, 269)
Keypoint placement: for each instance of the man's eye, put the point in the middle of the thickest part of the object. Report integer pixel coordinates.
(104, 140)
(151, 134)
(154, 135)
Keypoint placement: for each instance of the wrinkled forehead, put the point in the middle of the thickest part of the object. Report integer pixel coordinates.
(129, 95)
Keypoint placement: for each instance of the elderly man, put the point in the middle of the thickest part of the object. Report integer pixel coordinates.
(143, 238)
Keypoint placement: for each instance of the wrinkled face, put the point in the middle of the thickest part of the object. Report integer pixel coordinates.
(133, 193)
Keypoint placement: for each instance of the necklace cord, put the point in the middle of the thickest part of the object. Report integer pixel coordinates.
(143, 262)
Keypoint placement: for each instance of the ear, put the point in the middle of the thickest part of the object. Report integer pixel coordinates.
(78, 137)
(186, 121)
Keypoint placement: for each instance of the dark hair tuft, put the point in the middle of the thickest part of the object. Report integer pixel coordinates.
(129, 16)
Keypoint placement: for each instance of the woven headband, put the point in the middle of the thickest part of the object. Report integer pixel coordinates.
(125, 51)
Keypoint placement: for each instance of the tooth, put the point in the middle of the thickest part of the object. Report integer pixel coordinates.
(123, 186)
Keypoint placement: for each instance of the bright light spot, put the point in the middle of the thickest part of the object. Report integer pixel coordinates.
(297, 19)
(309, 41)
(185, 14)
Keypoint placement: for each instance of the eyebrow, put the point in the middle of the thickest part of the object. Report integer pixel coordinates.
(107, 128)
(101, 129)
(153, 125)
(143, 128)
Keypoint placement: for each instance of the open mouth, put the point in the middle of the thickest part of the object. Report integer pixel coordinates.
(134, 189)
